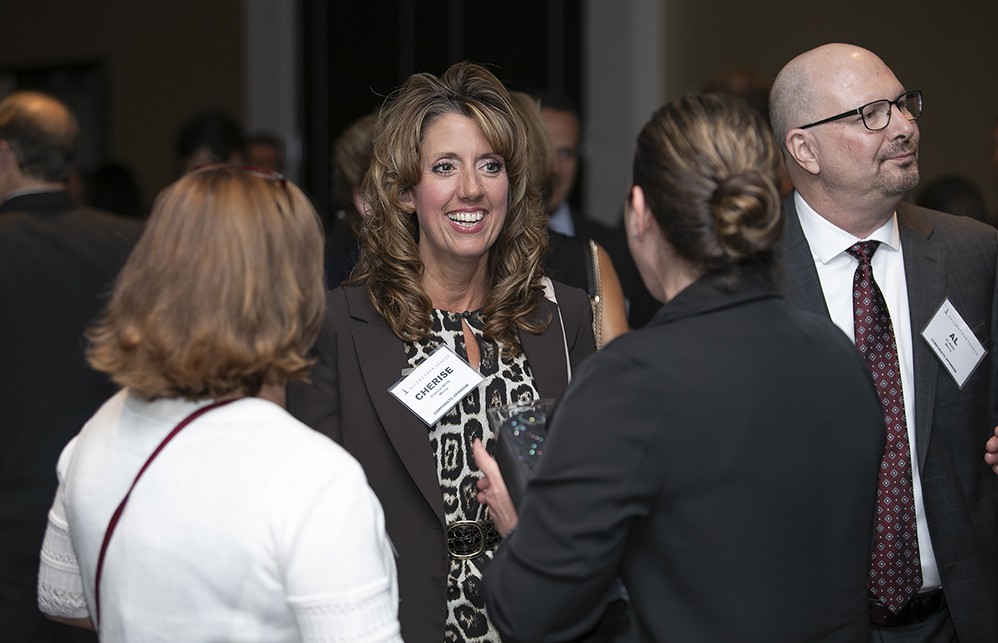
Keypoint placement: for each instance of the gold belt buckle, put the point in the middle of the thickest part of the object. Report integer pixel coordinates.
(465, 539)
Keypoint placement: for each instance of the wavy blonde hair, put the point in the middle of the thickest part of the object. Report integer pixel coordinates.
(389, 263)
(223, 293)
(709, 167)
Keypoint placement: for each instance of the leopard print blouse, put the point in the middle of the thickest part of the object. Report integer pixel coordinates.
(506, 381)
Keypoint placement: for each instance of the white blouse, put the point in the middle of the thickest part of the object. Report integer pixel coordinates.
(248, 526)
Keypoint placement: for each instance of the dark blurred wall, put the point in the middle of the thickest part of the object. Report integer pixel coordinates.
(162, 61)
(949, 50)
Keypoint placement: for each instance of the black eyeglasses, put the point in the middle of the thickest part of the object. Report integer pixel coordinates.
(877, 115)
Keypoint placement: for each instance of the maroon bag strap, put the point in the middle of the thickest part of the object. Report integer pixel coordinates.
(121, 506)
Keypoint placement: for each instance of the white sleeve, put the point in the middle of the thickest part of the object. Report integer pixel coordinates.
(60, 584)
(340, 568)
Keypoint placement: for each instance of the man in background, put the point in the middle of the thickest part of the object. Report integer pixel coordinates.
(210, 136)
(564, 132)
(883, 270)
(265, 150)
(57, 260)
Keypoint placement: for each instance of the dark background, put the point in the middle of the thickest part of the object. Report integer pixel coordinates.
(135, 70)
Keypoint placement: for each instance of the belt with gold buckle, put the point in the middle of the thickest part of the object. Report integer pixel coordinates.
(471, 538)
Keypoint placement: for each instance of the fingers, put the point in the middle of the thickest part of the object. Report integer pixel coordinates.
(991, 452)
(486, 463)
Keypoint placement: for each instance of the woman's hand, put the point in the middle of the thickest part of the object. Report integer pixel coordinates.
(492, 491)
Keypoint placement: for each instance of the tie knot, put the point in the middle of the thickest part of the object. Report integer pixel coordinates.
(863, 250)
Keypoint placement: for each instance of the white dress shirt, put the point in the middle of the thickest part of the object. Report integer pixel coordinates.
(836, 268)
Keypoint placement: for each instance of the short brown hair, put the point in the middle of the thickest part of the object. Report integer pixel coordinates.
(223, 293)
(389, 262)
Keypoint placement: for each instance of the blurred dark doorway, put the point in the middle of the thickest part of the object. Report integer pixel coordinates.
(357, 53)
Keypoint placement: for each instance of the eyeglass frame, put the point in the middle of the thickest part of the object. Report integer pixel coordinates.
(253, 170)
(859, 110)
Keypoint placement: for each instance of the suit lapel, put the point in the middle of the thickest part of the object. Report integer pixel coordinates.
(797, 276)
(925, 277)
(382, 357)
(546, 354)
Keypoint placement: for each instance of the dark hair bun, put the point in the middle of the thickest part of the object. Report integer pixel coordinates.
(745, 207)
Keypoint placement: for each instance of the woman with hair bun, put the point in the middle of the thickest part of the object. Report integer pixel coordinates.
(722, 460)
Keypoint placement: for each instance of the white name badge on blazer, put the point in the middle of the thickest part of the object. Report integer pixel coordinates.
(956, 346)
(435, 386)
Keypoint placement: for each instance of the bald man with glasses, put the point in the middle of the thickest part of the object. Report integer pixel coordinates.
(917, 292)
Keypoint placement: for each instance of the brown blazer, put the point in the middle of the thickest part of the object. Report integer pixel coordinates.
(358, 359)
(955, 257)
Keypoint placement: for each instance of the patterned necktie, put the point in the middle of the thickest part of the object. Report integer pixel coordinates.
(895, 571)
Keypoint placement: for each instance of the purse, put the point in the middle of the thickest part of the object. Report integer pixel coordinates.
(595, 290)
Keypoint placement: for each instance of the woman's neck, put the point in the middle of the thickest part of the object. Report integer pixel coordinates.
(456, 290)
(273, 392)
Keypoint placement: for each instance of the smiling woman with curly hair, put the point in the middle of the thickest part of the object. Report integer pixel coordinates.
(450, 256)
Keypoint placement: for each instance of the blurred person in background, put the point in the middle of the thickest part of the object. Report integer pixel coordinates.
(571, 260)
(57, 261)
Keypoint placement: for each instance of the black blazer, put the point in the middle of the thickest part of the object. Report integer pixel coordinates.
(359, 358)
(722, 461)
(57, 261)
(955, 257)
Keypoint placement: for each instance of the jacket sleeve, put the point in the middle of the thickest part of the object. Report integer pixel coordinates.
(552, 578)
(316, 401)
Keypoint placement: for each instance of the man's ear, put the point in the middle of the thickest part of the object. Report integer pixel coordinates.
(7, 153)
(803, 150)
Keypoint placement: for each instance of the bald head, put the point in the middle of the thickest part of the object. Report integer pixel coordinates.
(42, 134)
(821, 82)
(850, 174)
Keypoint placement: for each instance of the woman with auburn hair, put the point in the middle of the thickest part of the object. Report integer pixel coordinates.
(449, 274)
(192, 506)
(721, 461)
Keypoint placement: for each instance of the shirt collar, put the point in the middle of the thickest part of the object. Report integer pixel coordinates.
(828, 241)
(561, 220)
(26, 191)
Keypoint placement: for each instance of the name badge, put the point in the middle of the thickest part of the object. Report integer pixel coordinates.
(435, 386)
(954, 343)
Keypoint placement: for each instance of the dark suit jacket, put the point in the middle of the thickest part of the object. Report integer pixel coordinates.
(57, 261)
(955, 257)
(723, 462)
(359, 358)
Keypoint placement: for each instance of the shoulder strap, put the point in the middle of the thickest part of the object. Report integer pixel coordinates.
(550, 295)
(121, 506)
